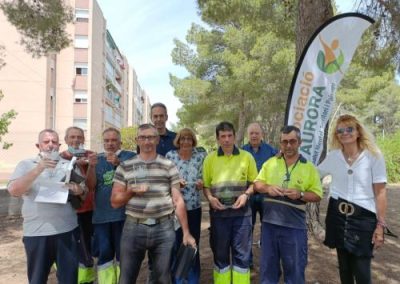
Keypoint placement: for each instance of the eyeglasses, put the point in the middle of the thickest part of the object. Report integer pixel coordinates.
(185, 139)
(144, 138)
(291, 142)
(342, 130)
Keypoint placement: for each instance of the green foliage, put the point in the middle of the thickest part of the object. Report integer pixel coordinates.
(239, 69)
(390, 146)
(41, 23)
(128, 135)
(5, 121)
(384, 47)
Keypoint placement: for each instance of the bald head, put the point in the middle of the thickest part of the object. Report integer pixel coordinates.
(255, 134)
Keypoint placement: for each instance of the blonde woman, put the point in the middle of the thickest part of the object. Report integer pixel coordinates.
(355, 220)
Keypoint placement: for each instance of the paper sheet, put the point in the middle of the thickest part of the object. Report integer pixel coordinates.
(52, 192)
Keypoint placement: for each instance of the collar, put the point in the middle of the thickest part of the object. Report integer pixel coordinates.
(234, 152)
(301, 158)
(168, 133)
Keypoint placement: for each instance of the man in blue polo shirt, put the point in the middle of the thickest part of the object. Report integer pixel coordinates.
(261, 152)
(159, 118)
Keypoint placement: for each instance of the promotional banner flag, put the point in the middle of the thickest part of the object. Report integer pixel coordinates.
(319, 71)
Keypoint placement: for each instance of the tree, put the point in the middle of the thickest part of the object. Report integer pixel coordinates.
(5, 118)
(238, 68)
(384, 48)
(5, 121)
(41, 24)
(128, 135)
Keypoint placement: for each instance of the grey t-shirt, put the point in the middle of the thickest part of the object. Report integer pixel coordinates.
(44, 219)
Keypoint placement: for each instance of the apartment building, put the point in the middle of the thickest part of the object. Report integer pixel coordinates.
(89, 84)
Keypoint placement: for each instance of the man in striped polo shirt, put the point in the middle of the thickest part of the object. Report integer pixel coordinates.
(148, 185)
(288, 182)
(228, 174)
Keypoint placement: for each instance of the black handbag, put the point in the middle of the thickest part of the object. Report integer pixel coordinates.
(184, 261)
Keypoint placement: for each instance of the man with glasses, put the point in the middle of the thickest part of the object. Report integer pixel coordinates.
(289, 182)
(148, 185)
(228, 174)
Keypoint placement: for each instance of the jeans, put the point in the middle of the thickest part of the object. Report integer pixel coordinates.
(107, 240)
(43, 251)
(283, 246)
(194, 222)
(137, 239)
(352, 267)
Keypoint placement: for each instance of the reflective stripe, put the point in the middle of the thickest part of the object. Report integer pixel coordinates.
(240, 270)
(241, 277)
(301, 207)
(86, 274)
(105, 265)
(107, 275)
(222, 276)
(222, 270)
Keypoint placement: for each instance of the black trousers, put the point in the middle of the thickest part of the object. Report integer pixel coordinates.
(352, 267)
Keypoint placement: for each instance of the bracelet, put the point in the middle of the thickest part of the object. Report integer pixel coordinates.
(247, 194)
(381, 223)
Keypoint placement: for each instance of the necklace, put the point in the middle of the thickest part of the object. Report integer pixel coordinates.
(351, 158)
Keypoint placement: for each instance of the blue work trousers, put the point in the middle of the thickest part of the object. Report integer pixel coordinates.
(137, 239)
(43, 251)
(107, 241)
(230, 238)
(286, 246)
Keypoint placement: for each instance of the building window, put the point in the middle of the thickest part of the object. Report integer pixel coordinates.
(82, 15)
(81, 69)
(81, 123)
(80, 96)
(81, 41)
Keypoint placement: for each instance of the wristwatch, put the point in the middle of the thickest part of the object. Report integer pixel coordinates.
(248, 195)
(301, 195)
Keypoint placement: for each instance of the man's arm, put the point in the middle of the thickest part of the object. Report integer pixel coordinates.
(243, 198)
(308, 196)
(214, 202)
(180, 211)
(91, 179)
(273, 190)
(22, 185)
(120, 195)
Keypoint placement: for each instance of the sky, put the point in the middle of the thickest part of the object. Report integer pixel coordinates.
(144, 31)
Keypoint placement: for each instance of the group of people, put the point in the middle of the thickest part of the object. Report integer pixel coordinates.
(149, 203)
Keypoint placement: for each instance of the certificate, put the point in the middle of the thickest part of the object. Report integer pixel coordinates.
(52, 192)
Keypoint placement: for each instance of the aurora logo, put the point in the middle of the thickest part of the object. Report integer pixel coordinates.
(331, 59)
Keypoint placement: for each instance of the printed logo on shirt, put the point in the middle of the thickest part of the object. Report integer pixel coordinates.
(108, 177)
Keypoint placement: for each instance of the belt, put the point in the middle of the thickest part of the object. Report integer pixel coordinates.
(350, 209)
(152, 221)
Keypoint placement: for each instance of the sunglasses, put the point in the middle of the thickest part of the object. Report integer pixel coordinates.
(144, 138)
(342, 130)
(291, 142)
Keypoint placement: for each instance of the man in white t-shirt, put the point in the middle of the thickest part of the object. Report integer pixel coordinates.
(47, 227)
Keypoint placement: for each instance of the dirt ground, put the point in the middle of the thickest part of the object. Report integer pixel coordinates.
(322, 264)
